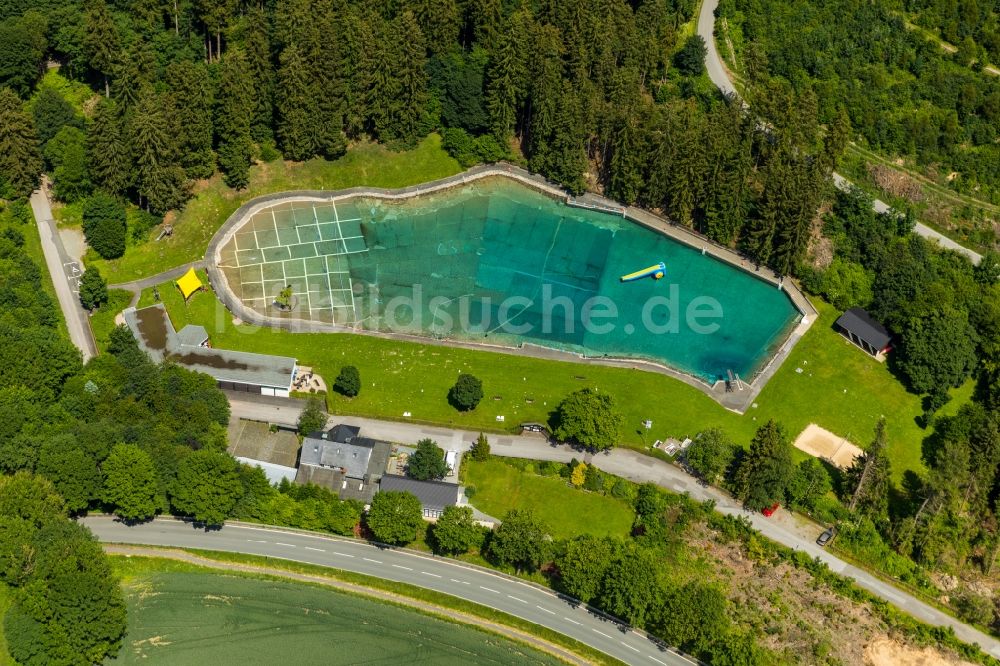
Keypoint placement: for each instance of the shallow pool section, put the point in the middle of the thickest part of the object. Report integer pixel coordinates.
(498, 262)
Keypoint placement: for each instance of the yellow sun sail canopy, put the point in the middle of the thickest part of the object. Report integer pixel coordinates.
(189, 284)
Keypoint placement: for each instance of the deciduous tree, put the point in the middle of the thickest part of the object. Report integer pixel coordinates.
(130, 483)
(466, 393)
(427, 462)
(456, 531)
(207, 486)
(93, 289)
(589, 418)
(394, 517)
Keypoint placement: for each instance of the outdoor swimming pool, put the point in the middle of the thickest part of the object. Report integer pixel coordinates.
(498, 262)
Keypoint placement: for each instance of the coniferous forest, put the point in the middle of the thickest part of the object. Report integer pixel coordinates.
(602, 95)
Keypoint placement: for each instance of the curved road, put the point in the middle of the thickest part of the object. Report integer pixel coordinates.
(719, 76)
(783, 527)
(488, 588)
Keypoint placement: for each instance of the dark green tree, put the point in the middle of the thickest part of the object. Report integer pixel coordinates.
(691, 58)
(108, 150)
(394, 518)
(73, 473)
(100, 41)
(466, 393)
(51, 113)
(233, 118)
(694, 617)
(104, 225)
(427, 462)
(519, 541)
(20, 159)
(313, 417)
(456, 531)
(93, 289)
(590, 419)
(207, 486)
(809, 484)
(583, 565)
(348, 382)
(298, 111)
(766, 470)
(439, 21)
(191, 92)
(480, 450)
(257, 42)
(631, 588)
(504, 81)
(937, 351)
(869, 478)
(67, 152)
(130, 483)
(160, 179)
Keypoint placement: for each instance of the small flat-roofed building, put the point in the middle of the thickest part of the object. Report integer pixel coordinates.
(232, 370)
(434, 496)
(253, 443)
(861, 328)
(344, 462)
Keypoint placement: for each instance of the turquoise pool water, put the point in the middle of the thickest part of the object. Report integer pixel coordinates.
(501, 263)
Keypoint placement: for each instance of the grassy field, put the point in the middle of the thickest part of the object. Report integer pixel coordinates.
(103, 321)
(5, 601)
(179, 614)
(566, 511)
(840, 388)
(194, 226)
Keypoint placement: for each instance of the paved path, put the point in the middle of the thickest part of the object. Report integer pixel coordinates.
(65, 273)
(719, 76)
(482, 586)
(136, 286)
(632, 465)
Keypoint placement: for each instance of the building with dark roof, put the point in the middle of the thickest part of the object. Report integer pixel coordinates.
(344, 462)
(232, 370)
(434, 496)
(861, 328)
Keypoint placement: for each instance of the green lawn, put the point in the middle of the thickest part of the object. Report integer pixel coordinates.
(840, 388)
(5, 602)
(194, 226)
(566, 511)
(179, 614)
(103, 321)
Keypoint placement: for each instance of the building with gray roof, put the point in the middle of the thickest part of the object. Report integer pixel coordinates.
(434, 496)
(863, 330)
(233, 370)
(344, 462)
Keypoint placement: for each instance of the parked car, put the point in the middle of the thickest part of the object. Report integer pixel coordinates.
(769, 511)
(826, 536)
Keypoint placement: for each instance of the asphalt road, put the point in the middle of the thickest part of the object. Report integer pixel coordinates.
(783, 527)
(65, 272)
(719, 76)
(504, 593)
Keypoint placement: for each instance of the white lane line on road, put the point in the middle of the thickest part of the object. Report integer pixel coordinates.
(455, 580)
(510, 596)
(290, 545)
(318, 550)
(488, 589)
(569, 619)
(600, 632)
(657, 661)
(428, 573)
(542, 608)
(400, 566)
(256, 540)
(342, 554)
(634, 649)
(368, 559)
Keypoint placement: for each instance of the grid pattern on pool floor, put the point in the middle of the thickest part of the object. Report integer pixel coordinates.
(299, 244)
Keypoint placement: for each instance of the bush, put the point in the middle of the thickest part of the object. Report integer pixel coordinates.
(104, 225)
(348, 382)
(140, 222)
(427, 462)
(93, 289)
(470, 150)
(268, 153)
(466, 393)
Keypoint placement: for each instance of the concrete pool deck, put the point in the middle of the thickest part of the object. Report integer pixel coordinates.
(739, 399)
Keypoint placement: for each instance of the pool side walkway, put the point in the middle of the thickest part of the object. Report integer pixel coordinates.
(738, 400)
